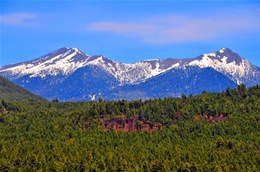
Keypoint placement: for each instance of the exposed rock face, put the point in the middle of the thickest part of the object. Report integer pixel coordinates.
(212, 118)
(129, 125)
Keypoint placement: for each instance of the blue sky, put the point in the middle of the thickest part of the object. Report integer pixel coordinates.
(129, 31)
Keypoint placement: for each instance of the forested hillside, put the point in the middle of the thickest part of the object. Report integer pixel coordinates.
(11, 91)
(207, 132)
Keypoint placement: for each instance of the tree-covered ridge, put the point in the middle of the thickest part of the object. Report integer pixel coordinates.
(207, 132)
(11, 91)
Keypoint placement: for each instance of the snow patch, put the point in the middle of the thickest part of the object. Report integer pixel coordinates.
(222, 50)
(175, 65)
(224, 59)
(212, 54)
(97, 61)
(230, 69)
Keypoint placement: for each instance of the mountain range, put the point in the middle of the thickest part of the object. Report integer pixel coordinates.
(71, 75)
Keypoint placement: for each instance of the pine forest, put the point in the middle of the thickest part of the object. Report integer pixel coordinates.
(206, 132)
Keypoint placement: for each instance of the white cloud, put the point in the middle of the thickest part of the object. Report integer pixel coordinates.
(122, 27)
(19, 19)
(178, 28)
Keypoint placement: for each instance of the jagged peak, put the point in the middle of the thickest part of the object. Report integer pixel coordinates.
(67, 50)
(74, 53)
(95, 57)
(66, 60)
(230, 56)
(224, 55)
(224, 49)
(100, 59)
(78, 51)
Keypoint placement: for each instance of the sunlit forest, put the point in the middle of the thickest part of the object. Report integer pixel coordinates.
(206, 132)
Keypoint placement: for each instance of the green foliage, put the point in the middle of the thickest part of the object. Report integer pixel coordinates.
(11, 91)
(208, 132)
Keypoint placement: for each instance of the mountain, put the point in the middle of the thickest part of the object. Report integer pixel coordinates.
(177, 81)
(84, 83)
(230, 64)
(11, 91)
(70, 74)
(65, 61)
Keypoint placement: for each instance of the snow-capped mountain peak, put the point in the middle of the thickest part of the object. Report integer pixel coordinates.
(225, 61)
(222, 50)
(132, 73)
(66, 61)
(231, 56)
(61, 61)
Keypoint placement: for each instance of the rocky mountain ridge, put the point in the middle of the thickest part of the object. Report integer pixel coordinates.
(69, 69)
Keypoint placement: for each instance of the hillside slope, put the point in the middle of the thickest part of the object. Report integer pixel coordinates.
(11, 91)
(207, 132)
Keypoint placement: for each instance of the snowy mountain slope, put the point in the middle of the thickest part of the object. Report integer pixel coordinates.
(230, 64)
(70, 74)
(65, 61)
(132, 73)
(86, 83)
(174, 83)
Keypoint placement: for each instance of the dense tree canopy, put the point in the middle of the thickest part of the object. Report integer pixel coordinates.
(207, 132)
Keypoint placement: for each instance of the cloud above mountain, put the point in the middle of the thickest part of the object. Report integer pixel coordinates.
(129, 31)
(19, 19)
(178, 28)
